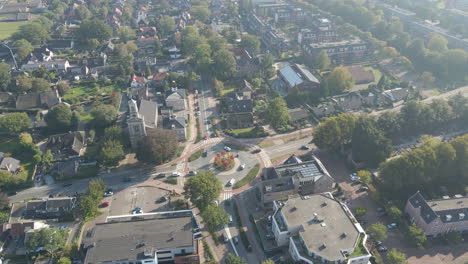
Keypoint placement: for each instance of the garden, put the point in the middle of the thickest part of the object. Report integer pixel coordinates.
(224, 161)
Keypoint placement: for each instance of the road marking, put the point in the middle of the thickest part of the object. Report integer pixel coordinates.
(226, 195)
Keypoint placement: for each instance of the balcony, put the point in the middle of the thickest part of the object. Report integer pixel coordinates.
(280, 222)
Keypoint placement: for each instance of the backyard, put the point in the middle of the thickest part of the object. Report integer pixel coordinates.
(12, 146)
(83, 92)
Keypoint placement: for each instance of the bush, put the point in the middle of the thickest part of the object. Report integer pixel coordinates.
(224, 161)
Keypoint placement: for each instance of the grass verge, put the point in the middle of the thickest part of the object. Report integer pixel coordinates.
(172, 181)
(274, 160)
(242, 233)
(248, 178)
(208, 253)
(196, 155)
(199, 138)
(266, 144)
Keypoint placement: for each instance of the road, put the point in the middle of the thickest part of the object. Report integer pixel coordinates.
(206, 112)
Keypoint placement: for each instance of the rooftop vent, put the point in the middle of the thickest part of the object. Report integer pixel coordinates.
(323, 246)
(148, 252)
(343, 235)
(448, 217)
(323, 225)
(324, 204)
(458, 196)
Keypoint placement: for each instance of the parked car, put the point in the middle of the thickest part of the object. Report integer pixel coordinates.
(225, 238)
(378, 243)
(230, 219)
(137, 210)
(354, 177)
(236, 240)
(231, 182)
(192, 173)
(176, 174)
(104, 204)
(242, 166)
(162, 199)
(160, 176)
(226, 148)
(108, 193)
(208, 122)
(305, 147)
(257, 151)
(205, 154)
(392, 226)
(363, 189)
(382, 248)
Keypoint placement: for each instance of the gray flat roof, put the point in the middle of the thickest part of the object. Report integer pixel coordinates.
(336, 230)
(290, 76)
(127, 240)
(149, 110)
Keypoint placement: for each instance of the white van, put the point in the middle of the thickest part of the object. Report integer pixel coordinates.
(231, 182)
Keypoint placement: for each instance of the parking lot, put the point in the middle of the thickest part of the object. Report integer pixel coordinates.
(125, 201)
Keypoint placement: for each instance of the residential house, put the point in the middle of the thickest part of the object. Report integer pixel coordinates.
(174, 52)
(19, 230)
(6, 99)
(319, 229)
(176, 99)
(147, 31)
(9, 164)
(47, 99)
(396, 95)
(440, 216)
(246, 65)
(95, 59)
(50, 208)
(299, 77)
(140, 119)
(65, 169)
(61, 44)
(67, 145)
(59, 65)
(238, 112)
(246, 90)
(138, 81)
(322, 30)
(342, 52)
(294, 176)
(166, 237)
(158, 79)
(178, 125)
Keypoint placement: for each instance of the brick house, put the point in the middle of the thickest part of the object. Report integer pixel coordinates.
(239, 112)
(437, 217)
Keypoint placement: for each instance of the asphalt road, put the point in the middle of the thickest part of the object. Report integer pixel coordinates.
(280, 150)
(205, 111)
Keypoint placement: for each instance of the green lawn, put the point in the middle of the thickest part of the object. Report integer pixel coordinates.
(248, 178)
(227, 90)
(8, 28)
(80, 92)
(196, 155)
(8, 144)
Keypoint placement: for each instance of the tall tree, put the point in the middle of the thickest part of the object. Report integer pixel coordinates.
(335, 131)
(436, 42)
(251, 43)
(277, 113)
(23, 49)
(111, 153)
(339, 80)
(396, 257)
(49, 239)
(233, 259)
(214, 216)
(104, 115)
(322, 61)
(157, 147)
(35, 33)
(15, 123)
(224, 64)
(166, 25)
(59, 118)
(203, 189)
(5, 76)
(200, 12)
(378, 231)
(93, 29)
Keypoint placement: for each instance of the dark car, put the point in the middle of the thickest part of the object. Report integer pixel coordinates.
(257, 151)
(160, 176)
(305, 147)
(12, 193)
(205, 154)
(382, 248)
(162, 199)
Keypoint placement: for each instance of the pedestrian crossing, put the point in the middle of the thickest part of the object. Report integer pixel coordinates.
(226, 195)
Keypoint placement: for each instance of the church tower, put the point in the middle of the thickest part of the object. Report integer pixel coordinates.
(136, 124)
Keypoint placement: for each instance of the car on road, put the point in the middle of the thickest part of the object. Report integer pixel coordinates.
(205, 154)
(137, 210)
(67, 184)
(108, 193)
(160, 176)
(231, 182)
(354, 177)
(176, 174)
(305, 147)
(363, 189)
(162, 199)
(226, 148)
(104, 204)
(230, 219)
(242, 166)
(256, 151)
(382, 248)
(236, 240)
(225, 238)
(392, 226)
(192, 173)
(197, 113)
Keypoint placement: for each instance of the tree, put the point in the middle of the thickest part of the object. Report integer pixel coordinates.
(157, 147)
(322, 61)
(114, 133)
(335, 131)
(214, 216)
(233, 259)
(23, 84)
(4, 201)
(427, 79)
(90, 202)
(5, 76)
(436, 42)
(202, 57)
(4, 217)
(365, 176)
(15, 123)
(266, 65)
(360, 211)
(277, 113)
(378, 231)
(47, 158)
(369, 144)
(339, 80)
(396, 257)
(203, 189)
(39, 85)
(64, 260)
(417, 235)
(93, 29)
(389, 123)
(111, 153)
(25, 138)
(251, 43)
(23, 49)
(190, 39)
(224, 64)
(126, 34)
(394, 213)
(49, 239)
(166, 25)
(59, 118)
(269, 261)
(35, 33)
(200, 12)
(104, 115)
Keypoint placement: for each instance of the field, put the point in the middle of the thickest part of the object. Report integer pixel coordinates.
(8, 28)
